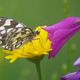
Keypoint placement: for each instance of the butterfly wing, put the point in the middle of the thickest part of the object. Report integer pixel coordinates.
(13, 34)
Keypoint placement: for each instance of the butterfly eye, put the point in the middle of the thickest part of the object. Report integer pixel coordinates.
(37, 32)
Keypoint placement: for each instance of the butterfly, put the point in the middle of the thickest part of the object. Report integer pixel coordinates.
(14, 34)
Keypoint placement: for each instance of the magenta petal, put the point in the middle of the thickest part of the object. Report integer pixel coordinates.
(77, 62)
(61, 32)
(66, 23)
(68, 76)
(60, 38)
(72, 76)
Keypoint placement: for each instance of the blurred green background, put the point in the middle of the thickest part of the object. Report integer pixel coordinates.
(34, 13)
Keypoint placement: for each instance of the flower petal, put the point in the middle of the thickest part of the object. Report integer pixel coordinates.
(61, 32)
(77, 62)
(72, 76)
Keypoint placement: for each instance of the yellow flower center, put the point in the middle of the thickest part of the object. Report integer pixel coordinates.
(39, 46)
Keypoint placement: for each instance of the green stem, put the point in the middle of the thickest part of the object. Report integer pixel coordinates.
(66, 8)
(38, 68)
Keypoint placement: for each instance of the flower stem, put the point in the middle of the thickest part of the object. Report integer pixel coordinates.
(66, 8)
(38, 68)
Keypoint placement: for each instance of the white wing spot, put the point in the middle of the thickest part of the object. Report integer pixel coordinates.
(19, 25)
(0, 20)
(8, 22)
(2, 28)
(6, 47)
(19, 29)
(2, 32)
(0, 37)
(3, 46)
(9, 30)
(27, 32)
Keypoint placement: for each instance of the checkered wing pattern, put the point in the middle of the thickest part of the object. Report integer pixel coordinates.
(13, 34)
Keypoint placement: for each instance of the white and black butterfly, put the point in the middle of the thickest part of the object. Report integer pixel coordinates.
(13, 34)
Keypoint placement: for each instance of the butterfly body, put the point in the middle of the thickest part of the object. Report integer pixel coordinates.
(13, 34)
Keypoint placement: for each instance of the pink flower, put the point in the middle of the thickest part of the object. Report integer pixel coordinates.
(61, 32)
(74, 75)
